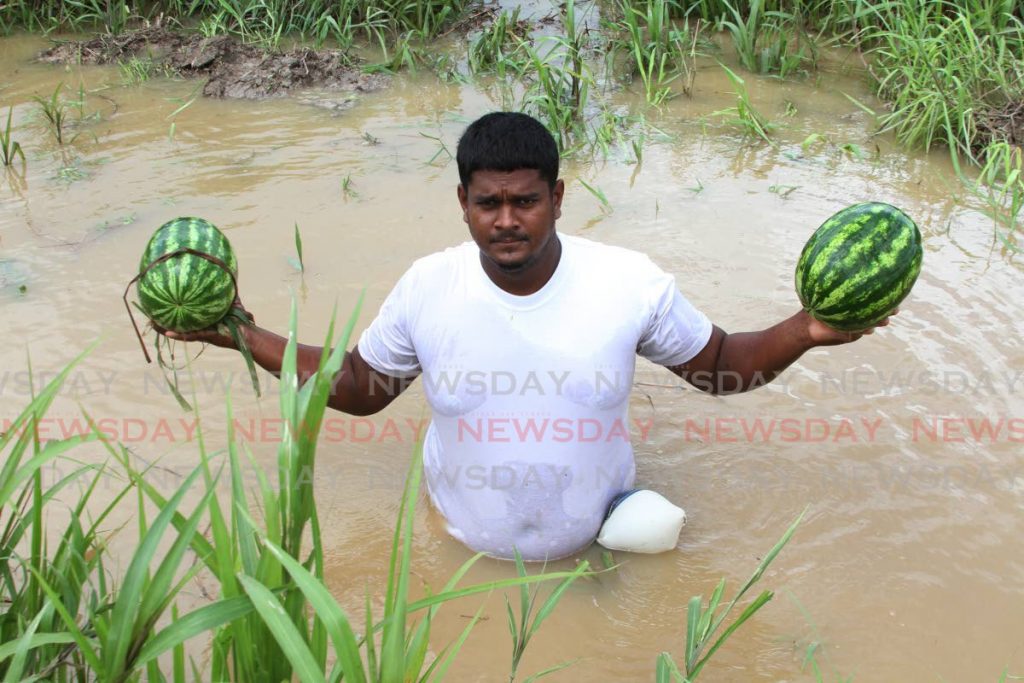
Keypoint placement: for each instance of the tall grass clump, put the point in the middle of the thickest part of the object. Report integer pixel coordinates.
(339, 20)
(952, 72)
(559, 81)
(498, 49)
(264, 21)
(54, 110)
(744, 115)
(654, 47)
(766, 41)
(77, 15)
(61, 618)
(1000, 185)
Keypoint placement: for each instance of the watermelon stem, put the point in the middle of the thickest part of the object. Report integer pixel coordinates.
(185, 405)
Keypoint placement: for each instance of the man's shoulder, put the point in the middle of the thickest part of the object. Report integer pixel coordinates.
(444, 263)
(601, 255)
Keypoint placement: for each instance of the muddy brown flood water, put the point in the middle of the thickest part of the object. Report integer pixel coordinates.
(905, 447)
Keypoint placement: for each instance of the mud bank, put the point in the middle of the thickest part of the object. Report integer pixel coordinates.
(233, 69)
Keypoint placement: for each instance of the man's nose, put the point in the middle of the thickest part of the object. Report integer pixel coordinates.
(506, 216)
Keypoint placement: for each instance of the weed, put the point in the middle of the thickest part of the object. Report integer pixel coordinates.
(1001, 185)
(9, 147)
(523, 628)
(136, 70)
(810, 659)
(704, 621)
(348, 190)
(498, 48)
(783, 190)
(655, 49)
(951, 73)
(408, 52)
(298, 248)
(442, 150)
(744, 115)
(55, 111)
(598, 194)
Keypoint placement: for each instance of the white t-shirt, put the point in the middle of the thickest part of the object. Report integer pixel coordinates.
(529, 437)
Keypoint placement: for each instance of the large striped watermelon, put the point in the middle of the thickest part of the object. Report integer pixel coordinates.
(859, 265)
(186, 292)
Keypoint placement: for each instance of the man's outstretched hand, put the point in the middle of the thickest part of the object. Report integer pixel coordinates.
(216, 335)
(823, 335)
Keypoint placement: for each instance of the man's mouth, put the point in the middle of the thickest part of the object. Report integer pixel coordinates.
(508, 239)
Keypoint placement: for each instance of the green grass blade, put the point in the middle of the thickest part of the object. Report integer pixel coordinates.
(694, 615)
(129, 598)
(298, 247)
(449, 655)
(23, 645)
(393, 639)
(750, 610)
(328, 610)
(550, 670)
(371, 649)
(288, 637)
(197, 622)
(39, 640)
(51, 450)
(158, 593)
(84, 644)
(556, 595)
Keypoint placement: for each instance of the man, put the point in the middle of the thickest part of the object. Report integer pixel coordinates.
(527, 340)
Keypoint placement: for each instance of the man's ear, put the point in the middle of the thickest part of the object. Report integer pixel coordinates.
(464, 202)
(556, 196)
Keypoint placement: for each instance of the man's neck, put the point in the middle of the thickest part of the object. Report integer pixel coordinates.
(530, 279)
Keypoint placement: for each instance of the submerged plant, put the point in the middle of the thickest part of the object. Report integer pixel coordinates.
(55, 111)
(9, 147)
(704, 620)
(744, 115)
(524, 626)
(1000, 184)
(136, 70)
(765, 41)
(655, 49)
(498, 48)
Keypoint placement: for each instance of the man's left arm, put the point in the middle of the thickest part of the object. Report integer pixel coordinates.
(734, 363)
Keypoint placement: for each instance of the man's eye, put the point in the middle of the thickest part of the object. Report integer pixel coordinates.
(527, 201)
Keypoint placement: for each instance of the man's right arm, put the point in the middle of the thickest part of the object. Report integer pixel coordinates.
(357, 388)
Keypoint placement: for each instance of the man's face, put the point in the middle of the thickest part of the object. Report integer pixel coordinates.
(511, 215)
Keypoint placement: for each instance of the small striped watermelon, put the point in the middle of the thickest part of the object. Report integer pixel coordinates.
(187, 292)
(859, 265)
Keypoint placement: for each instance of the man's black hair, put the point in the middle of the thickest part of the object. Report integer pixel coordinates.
(507, 141)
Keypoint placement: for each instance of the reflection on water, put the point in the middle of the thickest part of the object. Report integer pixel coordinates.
(905, 446)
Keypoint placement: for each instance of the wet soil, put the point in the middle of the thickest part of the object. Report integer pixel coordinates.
(233, 69)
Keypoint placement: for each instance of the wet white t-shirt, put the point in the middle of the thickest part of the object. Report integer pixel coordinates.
(529, 436)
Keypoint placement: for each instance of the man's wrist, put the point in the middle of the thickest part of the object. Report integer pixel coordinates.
(802, 326)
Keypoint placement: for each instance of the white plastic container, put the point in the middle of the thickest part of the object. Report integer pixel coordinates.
(642, 521)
